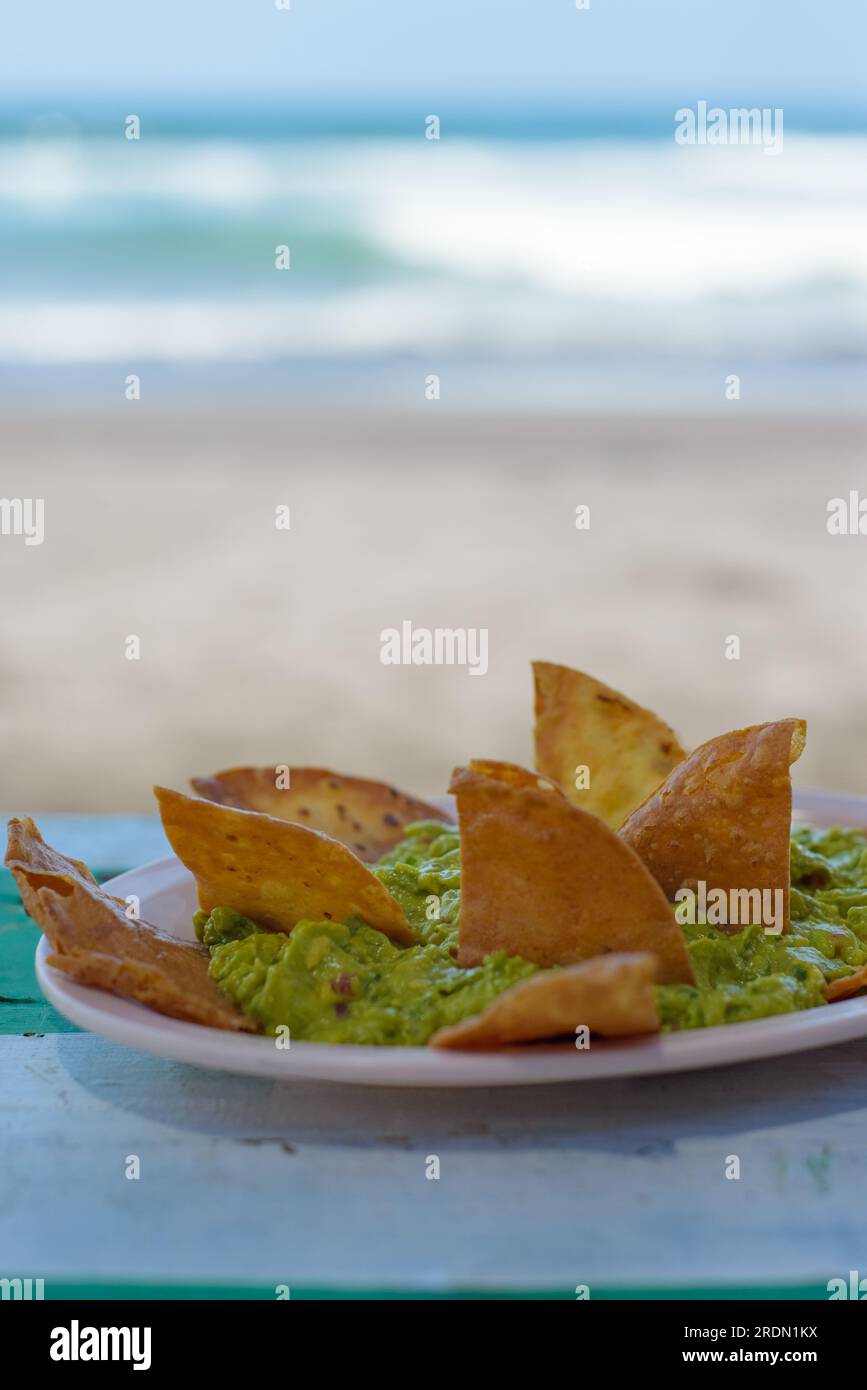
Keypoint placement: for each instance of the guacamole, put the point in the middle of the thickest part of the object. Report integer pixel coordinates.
(348, 983)
(752, 974)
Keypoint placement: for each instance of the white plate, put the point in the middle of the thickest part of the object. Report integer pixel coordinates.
(166, 893)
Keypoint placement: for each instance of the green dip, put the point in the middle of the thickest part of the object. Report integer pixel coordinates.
(348, 983)
(752, 974)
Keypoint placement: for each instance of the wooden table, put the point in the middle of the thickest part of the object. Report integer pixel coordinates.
(249, 1184)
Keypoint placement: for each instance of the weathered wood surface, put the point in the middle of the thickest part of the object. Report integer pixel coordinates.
(322, 1185)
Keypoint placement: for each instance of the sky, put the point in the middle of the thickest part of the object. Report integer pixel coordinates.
(323, 53)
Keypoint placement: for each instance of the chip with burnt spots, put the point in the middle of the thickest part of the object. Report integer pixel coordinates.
(369, 817)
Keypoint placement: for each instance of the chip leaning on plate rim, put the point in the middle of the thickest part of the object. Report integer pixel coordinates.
(562, 930)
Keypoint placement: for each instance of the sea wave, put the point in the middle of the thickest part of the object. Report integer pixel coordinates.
(164, 249)
(429, 323)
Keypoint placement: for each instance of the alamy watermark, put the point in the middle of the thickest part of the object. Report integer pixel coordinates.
(23, 516)
(439, 646)
(854, 1287)
(847, 516)
(22, 1288)
(77, 1343)
(732, 907)
(740, 125)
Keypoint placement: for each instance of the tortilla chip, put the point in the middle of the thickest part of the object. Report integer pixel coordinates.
(847, 986)
(544, 880)
(725, 815)
(613, 996)
(273, 871)
(94, 941)
(368, 817)
(580, 722)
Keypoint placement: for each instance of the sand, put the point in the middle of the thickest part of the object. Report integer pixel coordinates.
(261, 645)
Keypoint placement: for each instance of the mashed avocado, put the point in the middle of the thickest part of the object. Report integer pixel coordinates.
(753, 975)
(347, 983)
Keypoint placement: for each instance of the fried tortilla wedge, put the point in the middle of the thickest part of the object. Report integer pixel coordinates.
(849, 985)
(368, 817)
(725, 815)
(94, 941)
(581, 723)
(613, 996)
(275, 872)
(544, 880)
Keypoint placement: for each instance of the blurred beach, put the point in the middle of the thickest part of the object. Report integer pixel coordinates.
(260, 645)
(554, 304)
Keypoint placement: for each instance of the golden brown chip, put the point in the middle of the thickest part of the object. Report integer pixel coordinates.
(581, 723)
(275, 872)
(613, 996)
(724, 816)
(847, 986)
(94, 941)
(544, 880)
(368, 817)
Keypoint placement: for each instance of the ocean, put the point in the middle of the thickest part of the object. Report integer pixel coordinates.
(549, 273)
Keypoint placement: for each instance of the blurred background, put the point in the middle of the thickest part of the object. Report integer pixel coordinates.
(582, 288)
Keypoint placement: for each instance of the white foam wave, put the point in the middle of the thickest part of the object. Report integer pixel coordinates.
(459, 246)
(428, 323)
